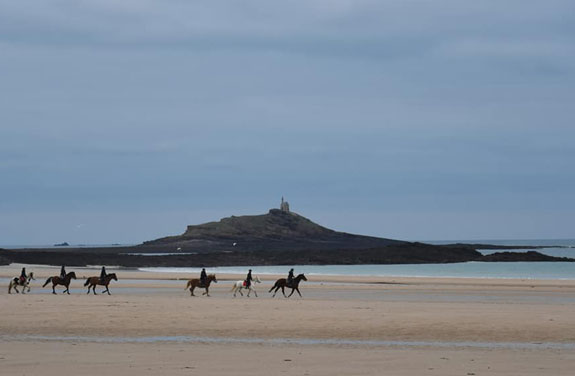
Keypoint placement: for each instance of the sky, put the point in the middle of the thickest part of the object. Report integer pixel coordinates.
(124, 121)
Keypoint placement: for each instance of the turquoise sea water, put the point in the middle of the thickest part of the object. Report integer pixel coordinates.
(521, 270)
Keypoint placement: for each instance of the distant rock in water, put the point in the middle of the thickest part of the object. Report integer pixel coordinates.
(65, 244)
(521, 256)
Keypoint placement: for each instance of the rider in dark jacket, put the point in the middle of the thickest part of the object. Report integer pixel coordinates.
(203, 277)
(63, 272)
(290, 277)
(103, 274)
(249, 279)
(23, 276)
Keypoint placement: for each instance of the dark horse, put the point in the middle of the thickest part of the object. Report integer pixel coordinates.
(193, 283)
(94, 281)
(282, 283)
(57, 280)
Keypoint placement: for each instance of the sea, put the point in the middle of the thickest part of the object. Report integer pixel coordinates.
(505, 270)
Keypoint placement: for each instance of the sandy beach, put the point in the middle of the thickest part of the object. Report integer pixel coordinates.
(342, 325)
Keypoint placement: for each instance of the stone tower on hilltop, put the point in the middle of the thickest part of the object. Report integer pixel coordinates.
(284, 206)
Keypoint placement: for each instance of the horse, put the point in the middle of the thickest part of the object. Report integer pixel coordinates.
(25, 285)
(94, 281)
(57, 280)
(282, 283)
(239, 285)
(193, 283)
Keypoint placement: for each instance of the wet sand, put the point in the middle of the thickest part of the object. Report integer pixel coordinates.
(407, 326)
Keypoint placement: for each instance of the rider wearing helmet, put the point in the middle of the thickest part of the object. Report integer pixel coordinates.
(249, 279)
(203, 277)
(103, 275)
(290, 277)
(23, 276)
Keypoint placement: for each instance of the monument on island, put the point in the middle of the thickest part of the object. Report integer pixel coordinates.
(284, 206)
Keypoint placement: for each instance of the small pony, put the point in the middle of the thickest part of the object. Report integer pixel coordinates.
(239, 285)
(25, 285)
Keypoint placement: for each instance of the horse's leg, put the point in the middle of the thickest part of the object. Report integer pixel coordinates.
(192, 290)
(94, 289)
(299, 293)
(107, 290)
(284, 291)
(207, 293)
(53, 289)
(255, 292)
(292, 290)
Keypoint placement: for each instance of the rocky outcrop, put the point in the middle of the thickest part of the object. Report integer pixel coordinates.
(521, 256)
(276, 230)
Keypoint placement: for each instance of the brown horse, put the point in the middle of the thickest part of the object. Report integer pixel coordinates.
(282, 284)
(94, 281)
(193, 283)
(57, 280)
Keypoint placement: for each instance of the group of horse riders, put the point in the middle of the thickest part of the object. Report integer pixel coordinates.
(247, 281)
(203, 276)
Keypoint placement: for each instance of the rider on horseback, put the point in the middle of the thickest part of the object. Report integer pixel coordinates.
(290, 278)
(203, 277)
(23, 276)
(62, 273)
(103, 275)
(249, 279)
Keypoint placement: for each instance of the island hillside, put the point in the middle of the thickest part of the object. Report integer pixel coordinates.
(279, 237)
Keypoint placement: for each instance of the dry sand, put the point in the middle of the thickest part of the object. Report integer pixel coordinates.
(416, 326)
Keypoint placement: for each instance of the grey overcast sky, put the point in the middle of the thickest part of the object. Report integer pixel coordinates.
(123, 121)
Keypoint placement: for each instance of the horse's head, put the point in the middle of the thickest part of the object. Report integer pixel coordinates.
(113, 276)
(31, 276)
(301, 277)
(257, 279)
(212, 277)
(71, 275)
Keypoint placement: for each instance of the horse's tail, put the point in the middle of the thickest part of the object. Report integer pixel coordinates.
(188, 285)
(87, 282)
(273, 287)
(233, 287)
(47, 281)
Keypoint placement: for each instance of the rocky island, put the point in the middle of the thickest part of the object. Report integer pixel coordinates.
(279, 237)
